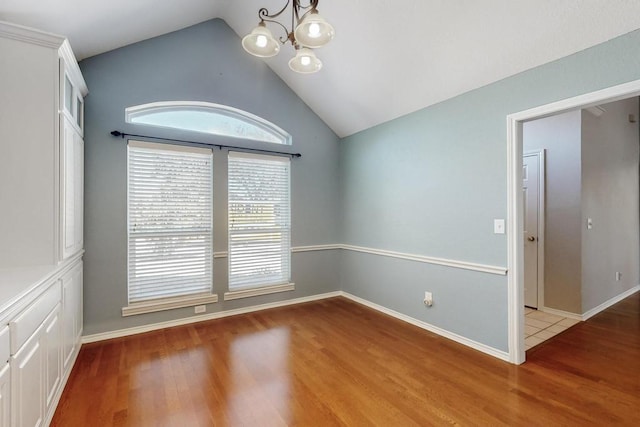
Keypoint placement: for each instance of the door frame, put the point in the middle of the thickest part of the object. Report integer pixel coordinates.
(540, 154)
(515, 230)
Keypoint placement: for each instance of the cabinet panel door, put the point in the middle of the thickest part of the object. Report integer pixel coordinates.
(78, 283)
(5, 396)
(72, 194)
(52, 345)
(78, 190)
(27, 385)
(67, 162)
(69, 304)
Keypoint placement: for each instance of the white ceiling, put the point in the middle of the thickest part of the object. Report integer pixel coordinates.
(389, 58)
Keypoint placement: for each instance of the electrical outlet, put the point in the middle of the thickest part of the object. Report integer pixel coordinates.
(428, 299)
(618, 276)
(200, 309)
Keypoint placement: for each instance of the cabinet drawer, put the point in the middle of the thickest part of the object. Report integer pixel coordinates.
(26, 323)
(4, 344)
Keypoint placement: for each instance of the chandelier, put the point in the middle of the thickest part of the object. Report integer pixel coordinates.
(309, 31)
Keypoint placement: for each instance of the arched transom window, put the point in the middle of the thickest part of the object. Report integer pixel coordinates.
(205, 117)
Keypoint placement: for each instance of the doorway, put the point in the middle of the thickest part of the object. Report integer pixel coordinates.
(515, 223)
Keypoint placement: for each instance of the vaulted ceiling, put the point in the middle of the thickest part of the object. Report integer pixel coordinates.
(388, 58)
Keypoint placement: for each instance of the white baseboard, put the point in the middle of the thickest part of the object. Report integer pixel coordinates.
(609, 303)
(185, 321)
(561, 313)
(194, 319)
(431, 328)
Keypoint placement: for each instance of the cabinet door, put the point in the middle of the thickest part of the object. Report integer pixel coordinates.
(78, 190)
(68, 197)
(5, 396)
(72, 314)
(27, 384)
(72, 194)
(52, 347)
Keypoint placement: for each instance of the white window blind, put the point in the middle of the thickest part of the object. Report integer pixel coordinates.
(170, 221)
(259, 220)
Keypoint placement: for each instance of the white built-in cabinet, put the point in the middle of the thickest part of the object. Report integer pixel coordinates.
(71, 119)
(72, 315)
(43, 343)
(72, 197)
(5, 377)
(41, 222)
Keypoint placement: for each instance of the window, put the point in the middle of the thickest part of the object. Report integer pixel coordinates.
(209, 118)
(169, 225)
(259, 222)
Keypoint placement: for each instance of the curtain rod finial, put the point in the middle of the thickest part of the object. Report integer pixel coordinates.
(117, 133)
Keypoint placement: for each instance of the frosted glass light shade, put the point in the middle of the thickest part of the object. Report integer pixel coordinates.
(305, 62)
(313, 31)
(260, 42)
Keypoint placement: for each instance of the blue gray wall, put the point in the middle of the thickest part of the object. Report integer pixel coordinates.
(431, 183)
(201, 63)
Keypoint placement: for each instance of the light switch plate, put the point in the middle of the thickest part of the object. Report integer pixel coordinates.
(498, 226)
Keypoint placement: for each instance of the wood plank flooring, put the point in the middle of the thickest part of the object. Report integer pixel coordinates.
(337, 363)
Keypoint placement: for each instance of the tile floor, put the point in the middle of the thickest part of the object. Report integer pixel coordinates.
(540, 326)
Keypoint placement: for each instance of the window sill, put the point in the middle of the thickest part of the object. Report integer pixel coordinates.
(168, 304)
(254, 292)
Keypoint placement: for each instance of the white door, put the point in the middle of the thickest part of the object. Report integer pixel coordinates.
(531, 192)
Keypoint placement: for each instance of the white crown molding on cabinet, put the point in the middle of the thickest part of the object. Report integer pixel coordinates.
(29, 35)
(72, 68)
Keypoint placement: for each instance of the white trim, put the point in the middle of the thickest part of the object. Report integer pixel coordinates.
(482, 268)
(223, 110)
(588, 314)
(30, 35)
(430, 260)
(596, 110)
(167, 304)
(431, 328)
(514, 197)
(314, 248)
(541, 154)
(561, 313)
(72, 68)
(195, 319)
(221, 314)
(263, 290)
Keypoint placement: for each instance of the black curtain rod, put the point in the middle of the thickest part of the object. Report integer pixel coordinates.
(201, 144)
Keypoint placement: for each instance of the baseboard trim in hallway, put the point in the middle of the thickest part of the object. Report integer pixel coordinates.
(590, 313)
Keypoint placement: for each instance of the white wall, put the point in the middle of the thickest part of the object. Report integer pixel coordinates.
(27, 147)
(560, 136)
(591, 172)
(610, 198)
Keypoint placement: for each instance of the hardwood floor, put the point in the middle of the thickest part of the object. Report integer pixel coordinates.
(335, 362)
